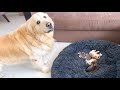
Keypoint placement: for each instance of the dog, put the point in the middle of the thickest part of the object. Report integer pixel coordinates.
(31, 41)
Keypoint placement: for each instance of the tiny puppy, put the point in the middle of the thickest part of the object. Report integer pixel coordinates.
(32, 41)
(91, 59)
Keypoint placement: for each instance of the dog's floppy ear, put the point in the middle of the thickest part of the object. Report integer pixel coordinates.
(30, 27)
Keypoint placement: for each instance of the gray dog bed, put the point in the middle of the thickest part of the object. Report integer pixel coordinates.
(69, 65)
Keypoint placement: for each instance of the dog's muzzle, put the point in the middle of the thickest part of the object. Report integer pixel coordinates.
(50, 27)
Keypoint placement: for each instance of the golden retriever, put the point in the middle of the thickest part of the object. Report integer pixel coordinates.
(32, 41)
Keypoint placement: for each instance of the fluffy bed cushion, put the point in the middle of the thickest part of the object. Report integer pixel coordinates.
(69, 65)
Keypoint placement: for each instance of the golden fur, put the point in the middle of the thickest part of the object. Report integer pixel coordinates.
(16, 46)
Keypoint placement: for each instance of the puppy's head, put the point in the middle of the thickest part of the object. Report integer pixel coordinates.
(40, 23)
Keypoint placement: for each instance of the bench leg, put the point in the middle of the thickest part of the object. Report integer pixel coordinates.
(6, 17)
(27, 15)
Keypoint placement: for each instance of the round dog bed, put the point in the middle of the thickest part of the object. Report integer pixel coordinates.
(69, 65)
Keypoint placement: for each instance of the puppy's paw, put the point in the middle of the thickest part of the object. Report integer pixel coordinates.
(45, 69)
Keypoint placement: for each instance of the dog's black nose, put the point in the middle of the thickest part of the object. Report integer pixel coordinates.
(49, 25)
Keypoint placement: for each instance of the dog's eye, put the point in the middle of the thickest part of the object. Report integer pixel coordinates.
(38, 22)
(44, 16)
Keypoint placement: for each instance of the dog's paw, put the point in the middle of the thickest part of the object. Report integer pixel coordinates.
(45, 69)
(2, 75)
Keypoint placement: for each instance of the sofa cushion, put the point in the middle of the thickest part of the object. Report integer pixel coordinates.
(72, 36)
(86, 20)
(2, 13)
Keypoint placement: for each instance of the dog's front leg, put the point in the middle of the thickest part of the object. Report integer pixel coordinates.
(39, 63)
(1, 74)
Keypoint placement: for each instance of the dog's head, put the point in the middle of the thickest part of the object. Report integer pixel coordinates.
(40, 23)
